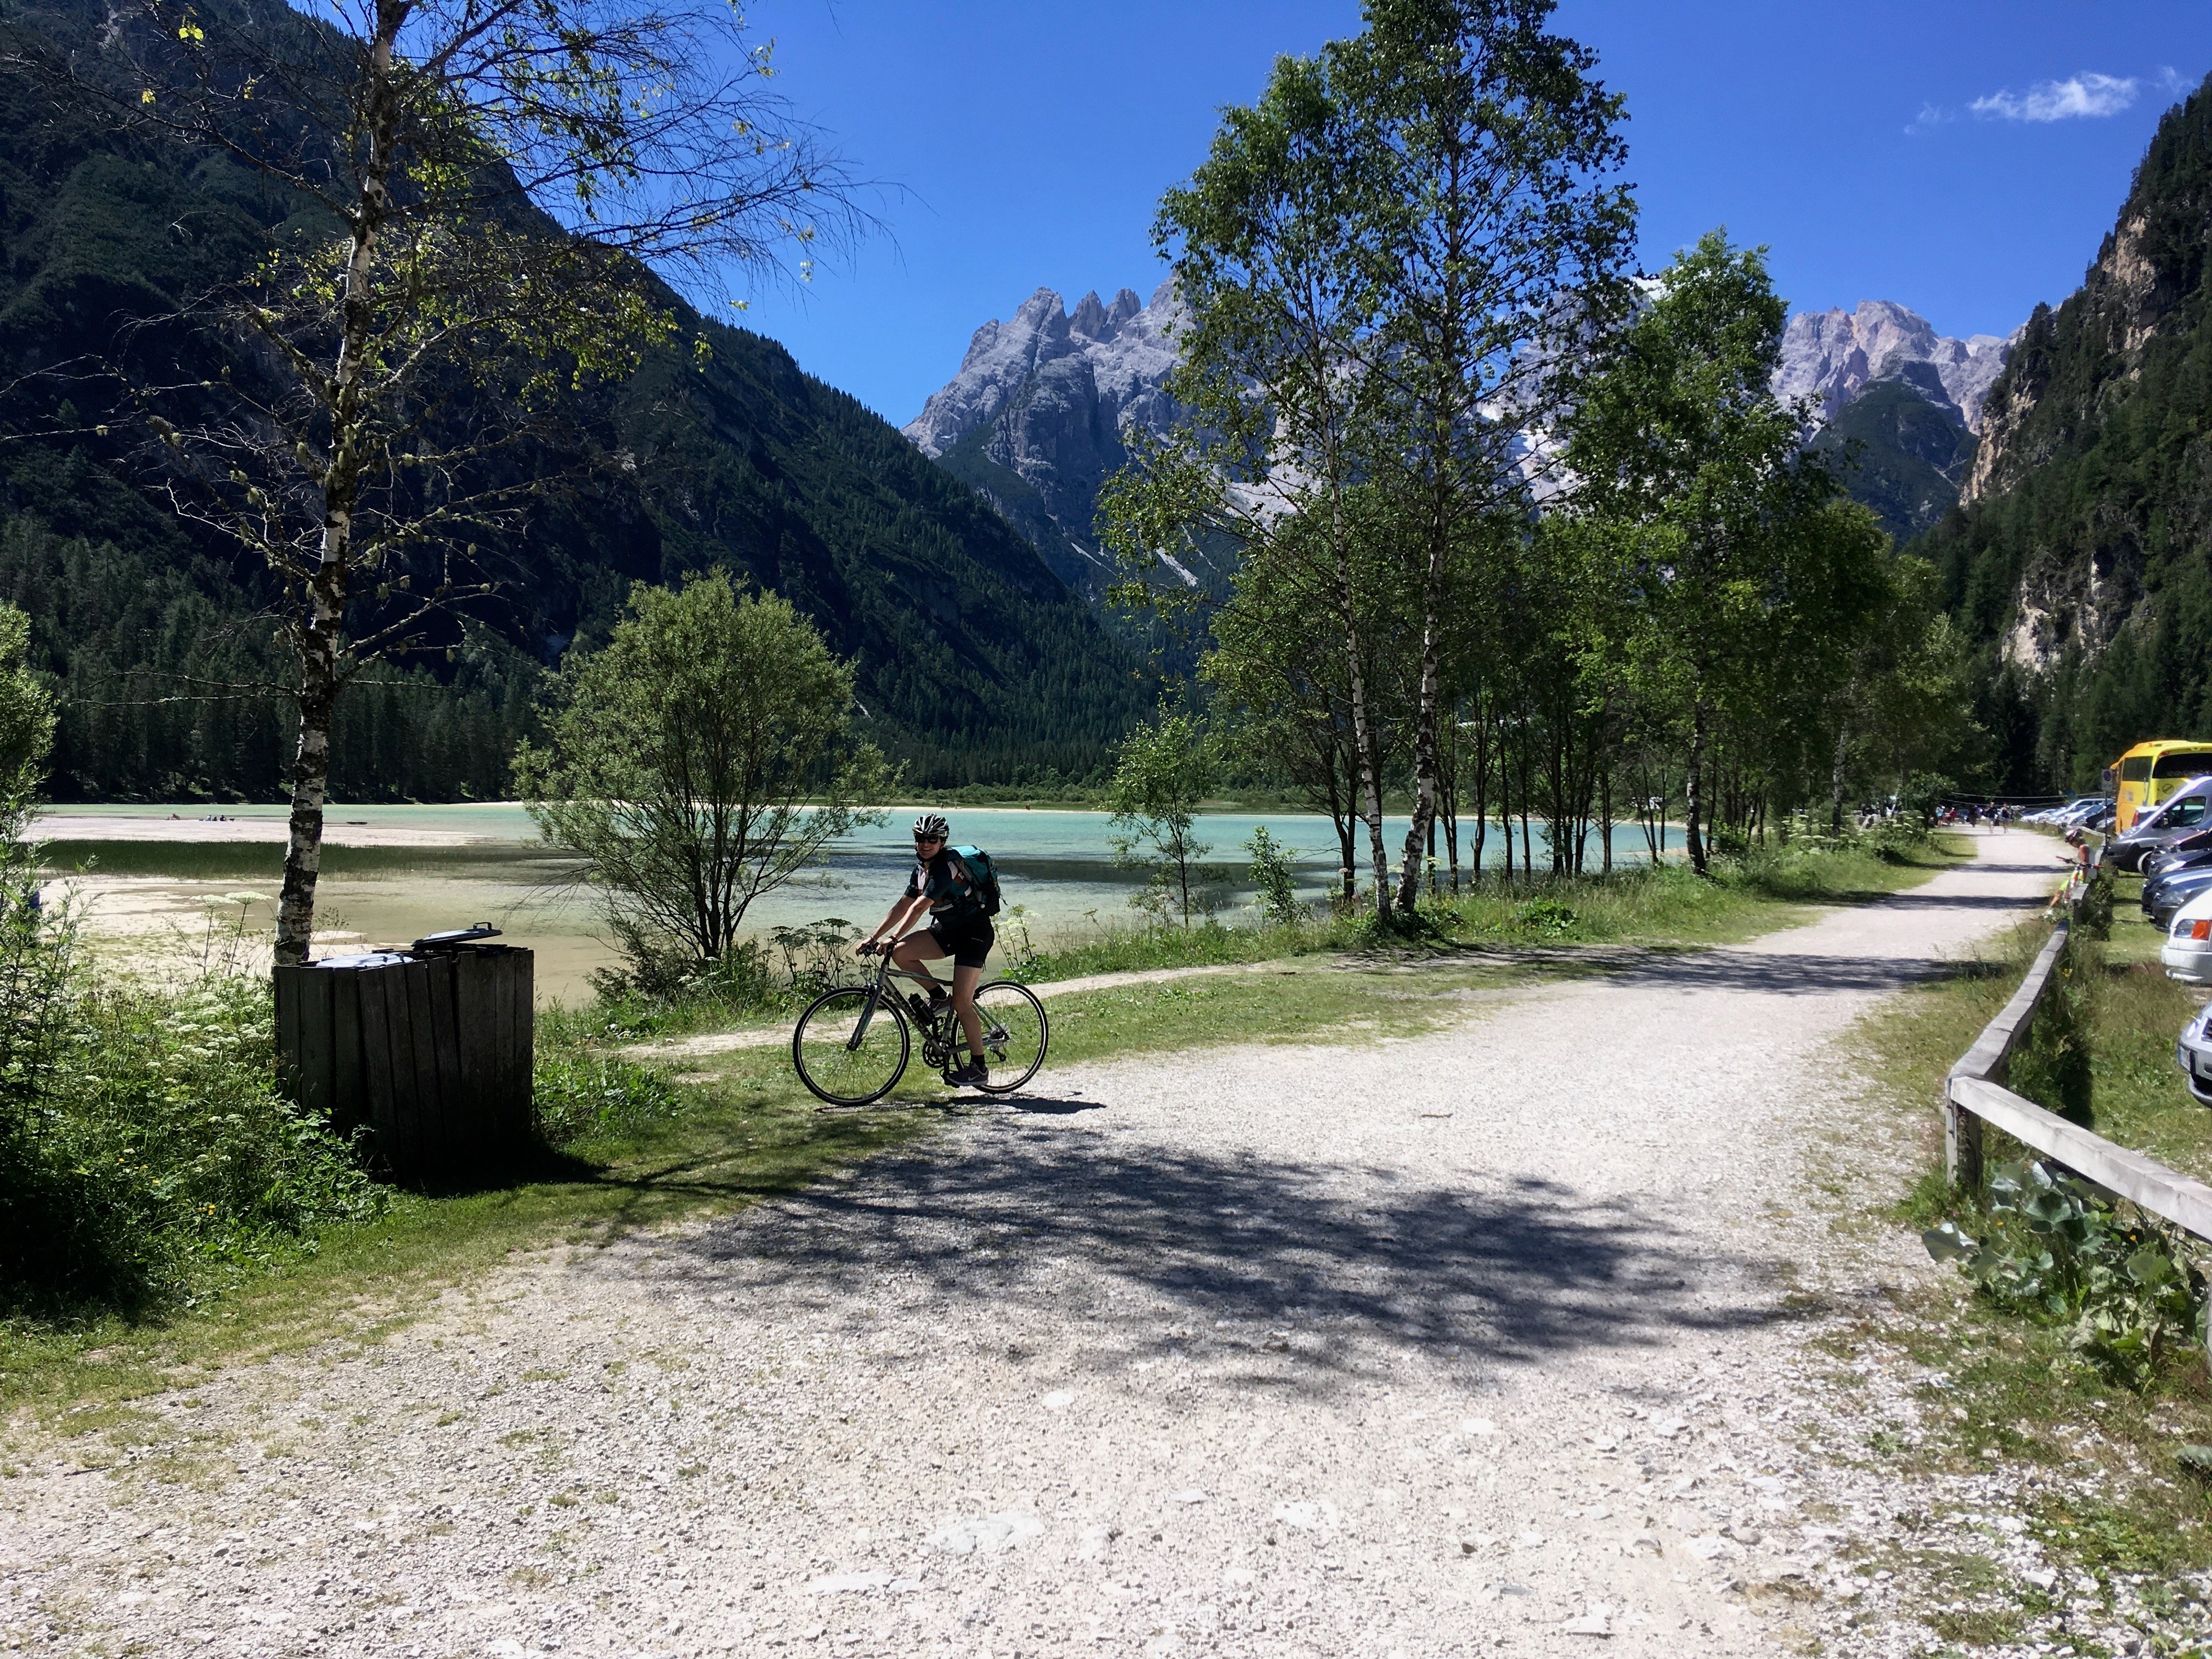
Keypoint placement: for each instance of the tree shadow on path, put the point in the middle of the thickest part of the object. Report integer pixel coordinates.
(1131, 1251)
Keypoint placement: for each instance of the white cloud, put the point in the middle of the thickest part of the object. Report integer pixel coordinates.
(2087, 96)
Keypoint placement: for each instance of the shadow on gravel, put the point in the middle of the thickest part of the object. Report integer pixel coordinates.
(1802, 974)
(1918, 901)
(1131, 1260)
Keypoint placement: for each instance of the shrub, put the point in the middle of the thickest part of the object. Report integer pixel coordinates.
(2093, 915)
(2055, 1250)
(1546, 918)
(1277, 899)
(2052, 1068)
(157, 1148)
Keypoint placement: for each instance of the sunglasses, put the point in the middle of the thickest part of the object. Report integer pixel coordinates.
(929, 841)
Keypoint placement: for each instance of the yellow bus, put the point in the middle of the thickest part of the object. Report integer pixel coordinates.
(2150, 772)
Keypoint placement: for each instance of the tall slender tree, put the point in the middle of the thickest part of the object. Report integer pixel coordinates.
(1491, 233)
(1389, 261)
(1277, 317)
(478, 194)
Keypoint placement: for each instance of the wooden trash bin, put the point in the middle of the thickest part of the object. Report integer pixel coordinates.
(428, 1049)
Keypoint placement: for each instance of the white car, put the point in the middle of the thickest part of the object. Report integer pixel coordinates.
(2187, 952)
(2193, 1054)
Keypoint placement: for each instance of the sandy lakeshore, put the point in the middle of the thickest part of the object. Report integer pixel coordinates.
(254, 824)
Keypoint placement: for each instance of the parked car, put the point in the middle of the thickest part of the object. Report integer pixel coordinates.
(2163, 899)
(2193, 1054)
(2187, 952)
(2176, 852)
(2101, 818)
(2170, 820)
(2169, 871)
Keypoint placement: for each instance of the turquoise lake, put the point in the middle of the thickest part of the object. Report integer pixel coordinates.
(148, 895)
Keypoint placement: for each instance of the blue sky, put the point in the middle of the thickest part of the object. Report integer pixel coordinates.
(1962, 159)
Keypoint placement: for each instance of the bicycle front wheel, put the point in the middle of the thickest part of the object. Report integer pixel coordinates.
(1014, 1034)
(849, 1046)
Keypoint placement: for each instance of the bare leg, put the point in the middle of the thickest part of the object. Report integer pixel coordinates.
(963, 1004)
(912, 952)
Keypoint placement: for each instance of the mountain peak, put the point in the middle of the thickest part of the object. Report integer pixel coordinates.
(1122, 347)
(1833, 355)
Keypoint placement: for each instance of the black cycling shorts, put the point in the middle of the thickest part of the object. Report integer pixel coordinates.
(967, 943)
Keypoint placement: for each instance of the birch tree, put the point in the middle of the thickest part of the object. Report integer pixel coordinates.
(1489, 233)
(1747, 580)
(1277, 316)
(479, 200)
(1389, 260)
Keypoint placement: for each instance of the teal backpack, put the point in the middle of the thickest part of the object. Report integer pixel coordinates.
(982, 875)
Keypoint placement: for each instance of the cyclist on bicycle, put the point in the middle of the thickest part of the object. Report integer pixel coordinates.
(942, 888)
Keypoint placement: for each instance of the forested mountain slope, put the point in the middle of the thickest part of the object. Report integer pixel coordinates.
(975, 661)
(2080, 559)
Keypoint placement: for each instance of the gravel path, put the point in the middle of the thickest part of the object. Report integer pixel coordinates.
(1481, 1342)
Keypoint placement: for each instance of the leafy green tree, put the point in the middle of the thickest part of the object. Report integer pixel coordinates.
(1904, 706)
(1275, 878)
(1490, 233)
(34, 940)
(1161, 772)
(1287, 707)
(702, 759)
(1749, 580)
(479, 196)
(1386, 258)
(1276, 313)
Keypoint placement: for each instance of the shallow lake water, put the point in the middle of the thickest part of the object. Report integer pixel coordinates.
(169, 884)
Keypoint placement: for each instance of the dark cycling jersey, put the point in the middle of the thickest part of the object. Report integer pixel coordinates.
(952, 891)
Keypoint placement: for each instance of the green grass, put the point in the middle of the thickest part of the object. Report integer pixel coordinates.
(728, 1129)
(2135, 1013)
(744, 1137)
(2014, 1389)
(1638, 905)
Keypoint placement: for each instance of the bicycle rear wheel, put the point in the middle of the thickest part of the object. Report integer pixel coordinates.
(839, 1061)
(1015, 1034)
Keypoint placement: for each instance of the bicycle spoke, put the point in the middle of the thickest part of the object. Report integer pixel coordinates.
(847, 1051)
(1015, 1034)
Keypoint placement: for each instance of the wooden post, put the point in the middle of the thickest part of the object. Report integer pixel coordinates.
(1962, 1144)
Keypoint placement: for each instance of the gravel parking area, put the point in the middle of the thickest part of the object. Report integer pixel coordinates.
(1488, 1341)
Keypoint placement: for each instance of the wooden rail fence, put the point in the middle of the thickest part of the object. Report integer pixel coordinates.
(1974, 1094)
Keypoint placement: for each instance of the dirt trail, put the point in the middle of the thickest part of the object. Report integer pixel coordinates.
(769, 1036)
(1477, 1342)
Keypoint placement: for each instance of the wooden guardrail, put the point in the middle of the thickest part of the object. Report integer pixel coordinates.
(1974, 1094)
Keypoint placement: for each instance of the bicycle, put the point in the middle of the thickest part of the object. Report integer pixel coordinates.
(852, 1045)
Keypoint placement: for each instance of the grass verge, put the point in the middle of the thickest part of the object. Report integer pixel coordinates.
(2106, 1490)
(1638, 905)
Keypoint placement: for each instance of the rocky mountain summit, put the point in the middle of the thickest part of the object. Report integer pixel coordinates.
(1034, 419)
(1835, 354)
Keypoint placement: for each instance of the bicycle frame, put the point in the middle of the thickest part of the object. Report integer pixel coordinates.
(887, 972)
